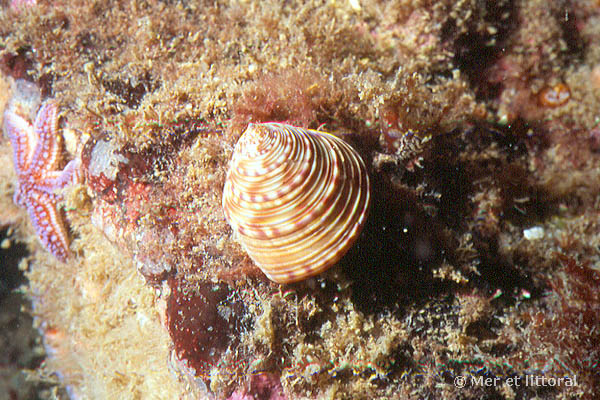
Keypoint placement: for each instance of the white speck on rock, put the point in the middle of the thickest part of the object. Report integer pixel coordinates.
(105, 159)
(535, 233)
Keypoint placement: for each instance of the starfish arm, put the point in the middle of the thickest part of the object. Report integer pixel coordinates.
(56, 180)
(21, 135)
(48, 224)
(45, 155)
(18, 197)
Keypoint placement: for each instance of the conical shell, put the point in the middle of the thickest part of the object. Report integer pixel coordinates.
(297, 199)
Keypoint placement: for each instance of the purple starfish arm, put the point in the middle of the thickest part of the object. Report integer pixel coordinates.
(59, 179)
(48, 224)
(22, 138)
(46, 152)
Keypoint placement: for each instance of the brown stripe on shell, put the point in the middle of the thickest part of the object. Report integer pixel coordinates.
(297, 199)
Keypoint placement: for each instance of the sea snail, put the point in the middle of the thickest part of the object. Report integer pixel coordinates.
(296, 198)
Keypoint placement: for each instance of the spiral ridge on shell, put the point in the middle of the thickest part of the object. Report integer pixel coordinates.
(296, 198)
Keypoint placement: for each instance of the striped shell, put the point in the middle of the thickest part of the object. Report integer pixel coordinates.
(297, 199)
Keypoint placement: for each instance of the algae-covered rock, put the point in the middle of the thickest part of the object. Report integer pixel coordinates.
(478, 125)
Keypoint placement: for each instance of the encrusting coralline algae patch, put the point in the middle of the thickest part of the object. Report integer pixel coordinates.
(480, 259)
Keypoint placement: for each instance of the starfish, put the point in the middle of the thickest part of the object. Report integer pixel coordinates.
(36, 155)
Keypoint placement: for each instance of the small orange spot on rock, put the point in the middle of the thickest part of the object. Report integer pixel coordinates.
(595, 77)
(554, 96)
